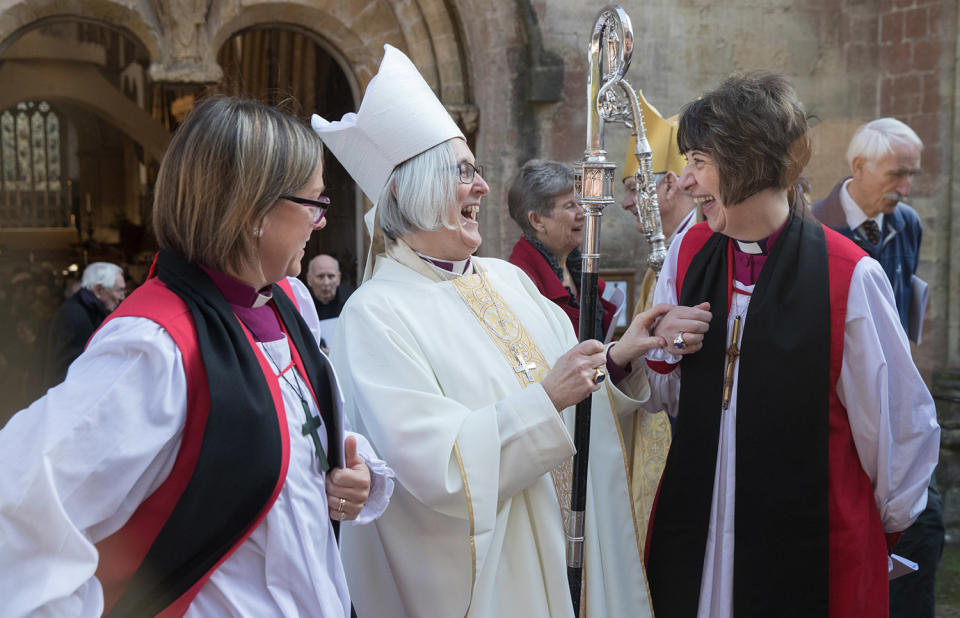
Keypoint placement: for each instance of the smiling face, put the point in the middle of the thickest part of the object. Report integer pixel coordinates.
(702, 180)
(285, 230)
(462, 240)
(562, 230)
(877, 187)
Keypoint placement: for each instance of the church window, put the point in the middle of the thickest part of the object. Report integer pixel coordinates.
(31, 183)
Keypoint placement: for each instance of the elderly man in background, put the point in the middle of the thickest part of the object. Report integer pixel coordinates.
(868, 208)
(323, 278)
(101, 290)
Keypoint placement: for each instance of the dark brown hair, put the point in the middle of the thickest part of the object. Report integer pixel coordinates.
(755, 130)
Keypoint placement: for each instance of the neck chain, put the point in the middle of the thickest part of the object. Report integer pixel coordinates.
(313, 423)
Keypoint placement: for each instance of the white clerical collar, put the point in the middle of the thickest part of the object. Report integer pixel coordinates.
(262, 298)
(753, 248)
(852, 212)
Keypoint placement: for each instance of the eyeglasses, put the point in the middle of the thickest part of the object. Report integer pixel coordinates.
(317, 208)
(466, 171)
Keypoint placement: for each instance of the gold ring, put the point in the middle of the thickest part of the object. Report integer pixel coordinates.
(340, 508)
(599, 376)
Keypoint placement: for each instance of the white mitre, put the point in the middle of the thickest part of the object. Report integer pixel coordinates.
(399, 117)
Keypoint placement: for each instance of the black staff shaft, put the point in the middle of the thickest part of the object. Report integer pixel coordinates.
(589, 301)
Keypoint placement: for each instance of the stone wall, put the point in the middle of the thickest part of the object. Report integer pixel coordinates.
(518, 69)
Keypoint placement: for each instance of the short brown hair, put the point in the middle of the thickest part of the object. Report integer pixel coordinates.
(754, 128)
(227, 165)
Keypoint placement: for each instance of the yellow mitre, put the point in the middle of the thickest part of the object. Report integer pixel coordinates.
(662, 136)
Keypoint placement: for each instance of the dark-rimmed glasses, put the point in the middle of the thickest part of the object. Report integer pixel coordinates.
(317, 208)
(466, 171)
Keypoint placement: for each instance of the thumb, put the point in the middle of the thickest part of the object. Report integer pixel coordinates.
(350, 452)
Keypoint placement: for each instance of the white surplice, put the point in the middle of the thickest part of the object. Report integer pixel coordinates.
(891, 414)
(76, 464)
(474, 527)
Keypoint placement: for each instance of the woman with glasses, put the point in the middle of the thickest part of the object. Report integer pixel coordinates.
(541, 201)
(463, 376)
(194, 458)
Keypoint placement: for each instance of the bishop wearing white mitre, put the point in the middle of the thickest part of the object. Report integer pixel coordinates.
(463, 376)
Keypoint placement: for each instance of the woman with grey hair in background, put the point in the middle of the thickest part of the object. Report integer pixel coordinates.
(194, 460)
(541, 201)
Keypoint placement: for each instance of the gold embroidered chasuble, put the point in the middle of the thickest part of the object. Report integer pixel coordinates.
(446, 387)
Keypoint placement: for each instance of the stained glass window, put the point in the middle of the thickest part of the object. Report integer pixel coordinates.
(31, 183)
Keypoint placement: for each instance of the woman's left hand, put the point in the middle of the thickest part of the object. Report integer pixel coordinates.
(348, 488)
(639, 338)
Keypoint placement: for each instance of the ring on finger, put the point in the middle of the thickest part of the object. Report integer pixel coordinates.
(340, 507)
(341, 515)
(678, 341)
(598, 376)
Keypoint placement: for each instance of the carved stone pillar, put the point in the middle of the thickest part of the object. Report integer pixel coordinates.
(186, 52)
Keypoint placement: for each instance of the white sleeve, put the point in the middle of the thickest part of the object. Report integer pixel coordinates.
(503, 447)
(381, 476)
(381, 482)
(78, 462)
(891, 412)
(665, 386)
(306, 307)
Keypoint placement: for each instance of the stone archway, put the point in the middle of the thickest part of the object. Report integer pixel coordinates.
(354, 34)
(26, 15)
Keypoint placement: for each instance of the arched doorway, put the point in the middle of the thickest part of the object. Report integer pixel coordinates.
(287, 66)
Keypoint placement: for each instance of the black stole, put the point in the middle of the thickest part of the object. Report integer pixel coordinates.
(781, 554)
(240, 457)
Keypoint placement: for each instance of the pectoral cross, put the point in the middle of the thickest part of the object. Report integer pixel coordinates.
(523, 367)
(732, 353)
(310, 429)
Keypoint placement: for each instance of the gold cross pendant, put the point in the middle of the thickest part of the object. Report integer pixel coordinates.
(732, 353)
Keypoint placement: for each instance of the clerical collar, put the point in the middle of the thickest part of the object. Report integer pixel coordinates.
(750, 256)
(459, 267)
(249, 304)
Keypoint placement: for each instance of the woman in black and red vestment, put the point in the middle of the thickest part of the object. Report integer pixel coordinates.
(194, 460)
(805, 436)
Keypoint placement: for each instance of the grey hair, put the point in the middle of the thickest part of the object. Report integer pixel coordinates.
(875, 139)
(534, 188)
(100, 273)
(418, 193)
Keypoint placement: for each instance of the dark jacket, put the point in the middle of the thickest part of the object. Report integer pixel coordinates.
(73, 324)
(899, 248)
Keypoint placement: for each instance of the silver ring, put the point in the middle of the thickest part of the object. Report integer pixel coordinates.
(599, 376)
(678, 341)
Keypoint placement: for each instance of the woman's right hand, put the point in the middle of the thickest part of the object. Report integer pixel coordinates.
(573, 376)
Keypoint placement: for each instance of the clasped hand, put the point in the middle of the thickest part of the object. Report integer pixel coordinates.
(348, 487)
